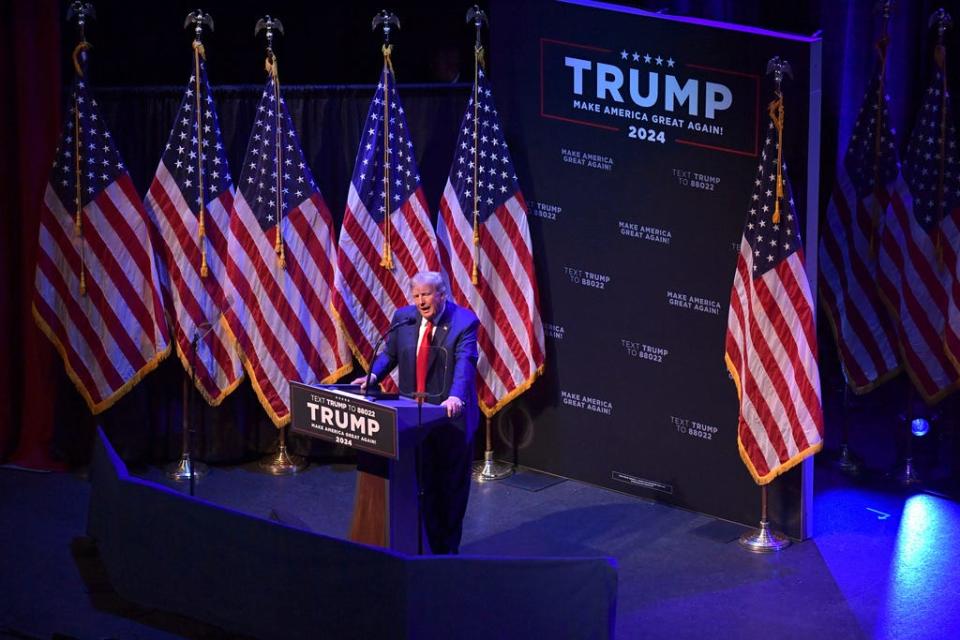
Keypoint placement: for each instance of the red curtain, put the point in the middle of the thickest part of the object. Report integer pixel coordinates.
(30, 85)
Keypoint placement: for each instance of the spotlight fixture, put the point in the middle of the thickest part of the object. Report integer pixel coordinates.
(919, 427)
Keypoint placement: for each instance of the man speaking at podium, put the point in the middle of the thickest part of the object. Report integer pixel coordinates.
(434, 344)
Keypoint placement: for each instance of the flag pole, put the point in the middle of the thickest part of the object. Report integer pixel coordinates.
(281, 463)
(847, 462)
(764, 539)
(943, 21)
(907, 475)
(488, 470)
(80, 11)
(386, 21)
(186, 468)
(198, 19)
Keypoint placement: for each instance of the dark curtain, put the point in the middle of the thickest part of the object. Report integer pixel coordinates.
(29, 107)
(43, 421)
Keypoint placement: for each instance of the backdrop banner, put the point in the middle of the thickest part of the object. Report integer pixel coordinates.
(636, 138)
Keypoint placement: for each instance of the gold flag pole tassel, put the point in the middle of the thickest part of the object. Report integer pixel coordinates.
(81, 47)
(198, 52)
(199, 19)
(79, 11)
(478, 18)
(386, 21)
(386, 260)
(882, 46)
(775, 109)
(477, 63)
(278, 138)
(78, 175)
(778, 68)
(943, 21)
(272, 67)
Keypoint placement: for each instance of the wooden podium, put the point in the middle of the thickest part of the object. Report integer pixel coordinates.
(385, 506)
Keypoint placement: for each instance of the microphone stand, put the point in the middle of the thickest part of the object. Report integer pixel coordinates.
(366, 384)
(418, 462)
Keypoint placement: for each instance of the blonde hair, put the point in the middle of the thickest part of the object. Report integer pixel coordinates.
(430, 278)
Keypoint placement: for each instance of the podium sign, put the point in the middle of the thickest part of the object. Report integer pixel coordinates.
(343, 419)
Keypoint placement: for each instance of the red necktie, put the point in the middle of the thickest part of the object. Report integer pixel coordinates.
(422, 352)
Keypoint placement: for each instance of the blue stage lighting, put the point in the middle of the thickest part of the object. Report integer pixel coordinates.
(919, 427)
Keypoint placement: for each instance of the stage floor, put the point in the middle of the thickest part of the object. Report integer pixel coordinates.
(882, 563)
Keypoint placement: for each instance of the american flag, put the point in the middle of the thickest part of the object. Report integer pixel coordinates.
(385, 201)
(281, 316)
(495, 278)
(194, 159)
(913, 269)
(771, 347)
(950, 212)
(97, 295)
(865, 336)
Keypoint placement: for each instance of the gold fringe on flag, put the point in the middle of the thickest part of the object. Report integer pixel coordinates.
(386, 260)
(775, 109)
(198, 52)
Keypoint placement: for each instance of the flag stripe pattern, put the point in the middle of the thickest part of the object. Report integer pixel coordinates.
(865, 336)
(194, 158)
(97, 292)
(933, 173)
(771, 347)
(914, 276)
(281, 315)
(385, 197)
(505, 296)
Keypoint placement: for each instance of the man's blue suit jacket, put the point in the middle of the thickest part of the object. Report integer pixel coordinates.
(452, 367)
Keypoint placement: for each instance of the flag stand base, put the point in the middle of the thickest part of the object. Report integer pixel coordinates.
(183, 469)
(847, 463)
(763, 540)
(282, 463)
(907, 476)
(490, 470)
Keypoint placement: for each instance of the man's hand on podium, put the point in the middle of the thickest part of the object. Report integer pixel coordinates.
(362, 381)
(454, 406)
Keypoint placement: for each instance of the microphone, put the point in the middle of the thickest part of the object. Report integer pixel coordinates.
(393, 327)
